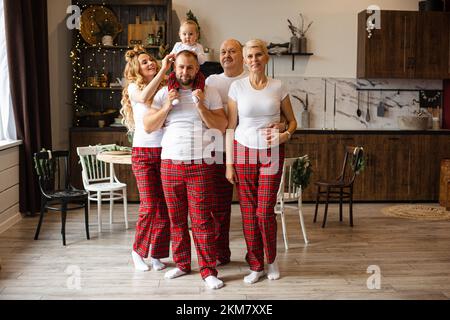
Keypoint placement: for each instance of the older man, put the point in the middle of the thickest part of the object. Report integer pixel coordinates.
(185, 171)
(231, 60)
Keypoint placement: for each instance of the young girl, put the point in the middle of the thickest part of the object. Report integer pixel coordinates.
(189, 34)
(144, 78)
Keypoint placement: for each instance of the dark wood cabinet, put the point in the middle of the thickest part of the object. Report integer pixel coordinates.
(399, 166)
(388, 52)
(96, 66)
(408, 44)
(432, 46)
(81, 137)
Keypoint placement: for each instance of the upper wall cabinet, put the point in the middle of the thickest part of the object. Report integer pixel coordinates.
(408, 44)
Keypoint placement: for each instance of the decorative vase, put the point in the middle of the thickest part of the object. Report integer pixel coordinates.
(303, 45)
(304, 119)
(294, 45)
(107, 41)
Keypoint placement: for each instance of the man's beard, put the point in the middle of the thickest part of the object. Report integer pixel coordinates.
(186, 82)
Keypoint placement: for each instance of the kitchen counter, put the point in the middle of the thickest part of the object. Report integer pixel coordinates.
(372, 131)
(301, 131)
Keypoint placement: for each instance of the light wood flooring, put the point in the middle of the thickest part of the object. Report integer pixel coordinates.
(413, 257)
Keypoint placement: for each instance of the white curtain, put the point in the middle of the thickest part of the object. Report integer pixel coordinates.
(7, 124)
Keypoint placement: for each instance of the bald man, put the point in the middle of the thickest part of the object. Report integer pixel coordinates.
(232, 62)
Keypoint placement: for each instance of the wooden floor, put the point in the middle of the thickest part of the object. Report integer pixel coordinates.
(413, 257)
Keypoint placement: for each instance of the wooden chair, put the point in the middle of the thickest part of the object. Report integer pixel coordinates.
(288, 192)
(52, 170)
(335, 189)
(100, 183)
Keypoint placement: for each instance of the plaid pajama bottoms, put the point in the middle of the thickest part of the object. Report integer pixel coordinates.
(222, 211)
(188, 188)
(258, 186)
(153, 225)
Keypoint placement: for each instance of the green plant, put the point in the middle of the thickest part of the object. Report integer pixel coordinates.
(301, 172)
(358, 160)
(190, 16)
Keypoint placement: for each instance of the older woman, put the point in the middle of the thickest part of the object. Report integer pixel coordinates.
(257, 161)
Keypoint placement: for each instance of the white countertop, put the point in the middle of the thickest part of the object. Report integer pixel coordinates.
(6, 144)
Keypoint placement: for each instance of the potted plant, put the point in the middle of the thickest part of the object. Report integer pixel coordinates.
(107, 31)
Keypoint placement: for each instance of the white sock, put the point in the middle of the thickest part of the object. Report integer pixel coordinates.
(139, 263)
(273, 273)
(213, 282)
(253, 277)
(157, 264)
(174, 273)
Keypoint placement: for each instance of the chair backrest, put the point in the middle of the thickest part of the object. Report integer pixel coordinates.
(93, 170)
(52, 169)
(288, 190)
(352, 156)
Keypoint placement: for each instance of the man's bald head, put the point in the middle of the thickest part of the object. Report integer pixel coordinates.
(231, 57)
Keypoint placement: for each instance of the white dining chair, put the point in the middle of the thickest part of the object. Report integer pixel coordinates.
(101, 183)
(288, 192)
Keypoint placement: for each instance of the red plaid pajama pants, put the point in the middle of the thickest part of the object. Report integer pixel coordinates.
(258, 186)
(222, 211)
(188, 188)
(153, 225)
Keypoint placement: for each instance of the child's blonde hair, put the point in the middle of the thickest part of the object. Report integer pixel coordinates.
(132, 75)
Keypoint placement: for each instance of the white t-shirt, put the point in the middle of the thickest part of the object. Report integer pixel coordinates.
(222, 83)
(141, 138)
(184, 129)
(256, 110)
(197, 48)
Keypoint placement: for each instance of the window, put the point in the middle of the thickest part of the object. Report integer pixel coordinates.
(7, 124)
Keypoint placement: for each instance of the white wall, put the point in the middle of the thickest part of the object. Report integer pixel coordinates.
(59, 38)
(332, 37)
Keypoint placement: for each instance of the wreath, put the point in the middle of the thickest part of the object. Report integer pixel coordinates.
(358, 161)
(301, 172)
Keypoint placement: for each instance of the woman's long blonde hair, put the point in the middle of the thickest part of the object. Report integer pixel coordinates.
(132, 75)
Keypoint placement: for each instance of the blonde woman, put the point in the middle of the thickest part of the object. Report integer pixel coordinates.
(255, 155)
(144, 78)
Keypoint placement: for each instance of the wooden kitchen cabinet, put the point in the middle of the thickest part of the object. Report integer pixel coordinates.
(432, 46)
(388, 53)
(80, 137)
(399, 166)
(409, 44)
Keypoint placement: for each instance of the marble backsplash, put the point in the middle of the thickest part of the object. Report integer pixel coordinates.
(396, 102)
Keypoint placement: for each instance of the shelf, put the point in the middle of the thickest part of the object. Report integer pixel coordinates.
(288, 54)
(397, 90)
(291, 54)
(118, 47)
(100, 88)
